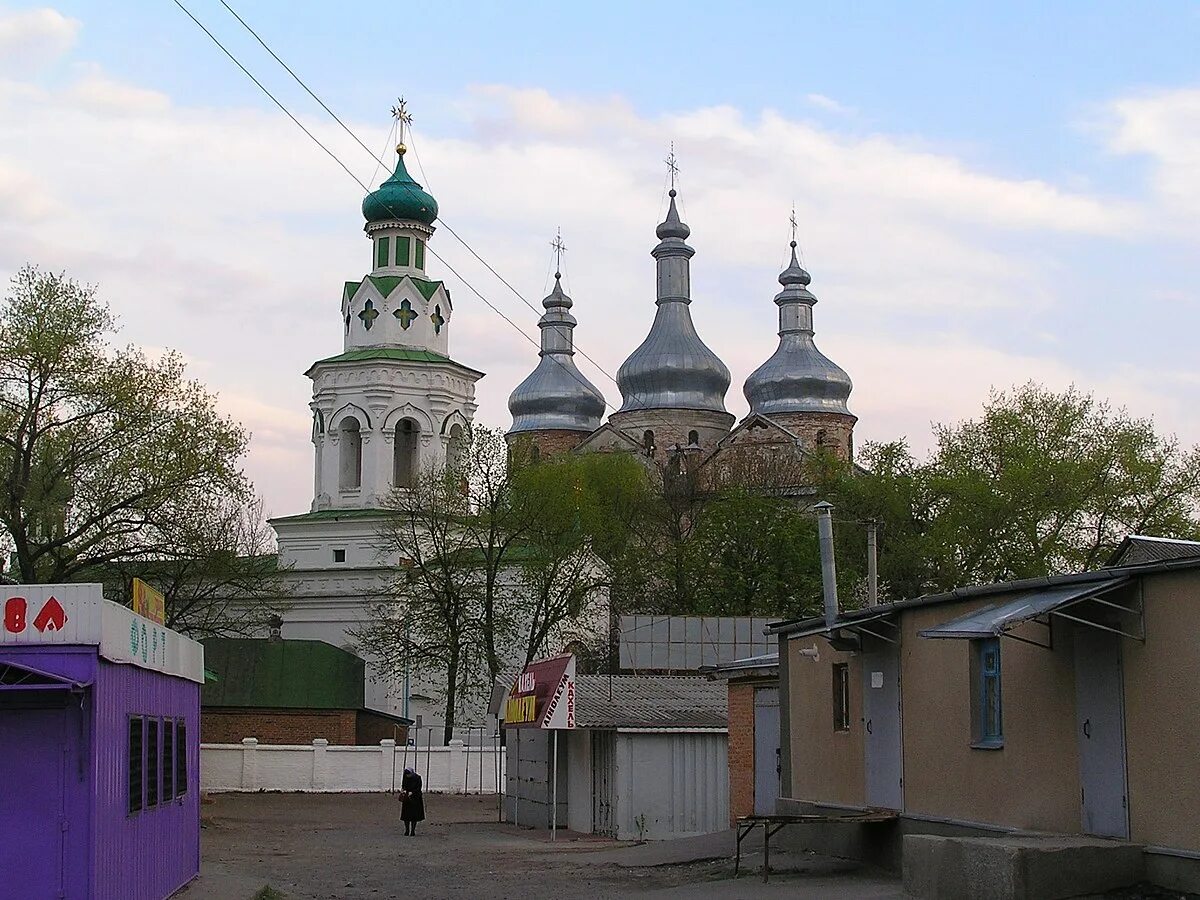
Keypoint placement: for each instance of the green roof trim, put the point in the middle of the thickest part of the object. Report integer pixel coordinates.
(427, 288)
(331, 515)
(350, 289)
(400, 354)
(255, 672)
(385, 284)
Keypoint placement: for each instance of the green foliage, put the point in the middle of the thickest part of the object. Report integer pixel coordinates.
(1050, 482)
(1041, 483)
(754, 555)
(110, 459)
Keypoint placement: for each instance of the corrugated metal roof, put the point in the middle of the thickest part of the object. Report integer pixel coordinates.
(649, 701)
(288, 674)
(1139, 549)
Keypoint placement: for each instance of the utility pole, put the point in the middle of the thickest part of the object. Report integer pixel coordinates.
(872, 562)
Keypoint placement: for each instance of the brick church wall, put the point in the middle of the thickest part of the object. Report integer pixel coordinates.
(548, 443)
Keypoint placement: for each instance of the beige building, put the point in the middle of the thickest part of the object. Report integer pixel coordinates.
(1067, 704)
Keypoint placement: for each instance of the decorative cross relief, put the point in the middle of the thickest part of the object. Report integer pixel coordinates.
(368, 315)
(405, 314)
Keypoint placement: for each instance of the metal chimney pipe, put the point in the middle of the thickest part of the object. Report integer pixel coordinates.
(828, 568)
(872, 563)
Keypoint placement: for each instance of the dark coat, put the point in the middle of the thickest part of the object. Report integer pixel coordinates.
(413, 808)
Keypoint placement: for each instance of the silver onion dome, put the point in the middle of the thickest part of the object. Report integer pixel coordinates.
(556, 395)
(673, 368)
(798, 377)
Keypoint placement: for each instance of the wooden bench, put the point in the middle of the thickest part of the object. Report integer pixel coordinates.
(771, 825)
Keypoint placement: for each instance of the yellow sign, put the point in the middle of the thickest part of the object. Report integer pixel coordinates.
(148, 602)
(520, 709)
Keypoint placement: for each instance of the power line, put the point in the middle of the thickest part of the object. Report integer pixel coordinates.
(366, 189)
(300, 81)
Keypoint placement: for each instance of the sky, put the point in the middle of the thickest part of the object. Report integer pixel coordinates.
(986, 193)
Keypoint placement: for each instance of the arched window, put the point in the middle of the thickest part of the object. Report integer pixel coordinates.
(648, 442)
(404, 454)
(455, 447)
(820, 439)
(535, 453)
(350, 440)
(693, 438)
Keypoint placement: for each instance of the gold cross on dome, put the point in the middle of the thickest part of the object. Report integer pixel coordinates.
(795, 224)
(401, 114)
(559, 249)
(672, 165)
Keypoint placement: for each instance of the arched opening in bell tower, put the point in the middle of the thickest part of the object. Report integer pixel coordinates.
(455, 447)
(350, 439)
(404, 456)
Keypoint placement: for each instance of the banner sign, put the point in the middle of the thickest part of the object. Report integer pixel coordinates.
(75, 614)
(543, 695)
(149, 603)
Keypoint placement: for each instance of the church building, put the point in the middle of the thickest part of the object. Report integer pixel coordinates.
(394, 403)
(673, 385)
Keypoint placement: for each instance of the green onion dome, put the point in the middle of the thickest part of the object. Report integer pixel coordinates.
(399, 198)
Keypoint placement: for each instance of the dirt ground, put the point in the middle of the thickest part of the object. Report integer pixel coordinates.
(350, 846)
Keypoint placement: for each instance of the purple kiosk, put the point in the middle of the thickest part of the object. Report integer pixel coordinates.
(99, 748)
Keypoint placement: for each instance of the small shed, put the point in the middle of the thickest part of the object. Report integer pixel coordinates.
(99, 748)
(646, 758)
(285, 691)
(755, 760)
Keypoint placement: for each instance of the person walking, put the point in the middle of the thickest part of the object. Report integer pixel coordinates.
(412, 803)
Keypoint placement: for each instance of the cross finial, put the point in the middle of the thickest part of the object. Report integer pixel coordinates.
(401, 114)
(559, 249)
(672, 165)
(795, 224)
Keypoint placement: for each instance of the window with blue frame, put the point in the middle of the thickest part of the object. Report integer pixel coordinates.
(987, 717)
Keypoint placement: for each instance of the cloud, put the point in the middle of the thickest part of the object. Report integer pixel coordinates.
(32, 38)
(222, 232)
(1164, 128)
(828, 104)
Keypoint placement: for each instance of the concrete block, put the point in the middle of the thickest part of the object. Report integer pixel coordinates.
(1017, 868)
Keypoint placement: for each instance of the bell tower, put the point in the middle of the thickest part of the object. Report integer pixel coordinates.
(393, 404)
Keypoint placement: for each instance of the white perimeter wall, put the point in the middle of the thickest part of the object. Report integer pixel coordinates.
(251, 766)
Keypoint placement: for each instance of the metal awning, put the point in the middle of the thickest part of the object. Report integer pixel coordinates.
(1001, 618)
(881, 621)
(15, 677)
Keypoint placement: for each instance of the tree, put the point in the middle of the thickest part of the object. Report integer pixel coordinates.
(109, 459)
(432, 625)
(1041, 483)
(578, 510)
(495, 560)
(1049, 482)
(752, 555)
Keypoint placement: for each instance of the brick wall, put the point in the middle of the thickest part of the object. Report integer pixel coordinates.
(741, 749)
(548, 443)
(278, 726)
(830, 431)
(373, 728)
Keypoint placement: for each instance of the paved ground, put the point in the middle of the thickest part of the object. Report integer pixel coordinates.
(351, 846)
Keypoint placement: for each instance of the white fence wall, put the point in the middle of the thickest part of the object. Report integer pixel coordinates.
(251, 766)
